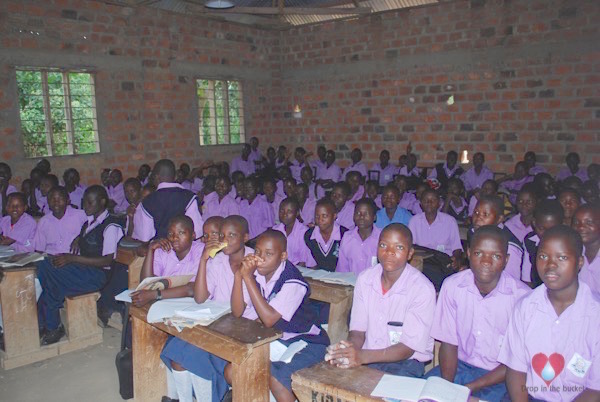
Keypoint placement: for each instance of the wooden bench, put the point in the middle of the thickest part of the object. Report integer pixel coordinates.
(339, 298)
(243, 342)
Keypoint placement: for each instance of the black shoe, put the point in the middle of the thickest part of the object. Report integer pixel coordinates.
(167, 399)
(53, 336)
(104, 315)
(228, 396)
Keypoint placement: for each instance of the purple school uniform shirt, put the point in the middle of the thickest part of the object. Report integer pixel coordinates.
(117, 194)
(246, 167)
(255, 155)
(325, 246)
(219, 277)
(537, 169)
(472, 180)
(346, 216)
(42, 203)
(76, 196)
(411, 301)
(332, 172)
(386, 174)
(308, 211)
(296, 169)
(357, 254)
(514, 186)
(22, 232)
(409, 202)
(54, 236)
(9, 190)
(360, 193)
(518, 228)
(474, 323)
(536, 330)
(319, 166)
(565, 173)
(359, 167)
(442, 235)
(415, 172)
(167, 263)
(590, 273)
(213, 207)
(296, 248)
(259, 215)
(472, 205)
(275, 206)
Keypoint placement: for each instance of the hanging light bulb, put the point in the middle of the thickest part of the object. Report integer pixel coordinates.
(219, 4)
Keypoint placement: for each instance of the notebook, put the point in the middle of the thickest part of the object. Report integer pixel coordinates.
(434, 389)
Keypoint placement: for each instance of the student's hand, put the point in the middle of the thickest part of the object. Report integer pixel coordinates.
(61, 260)
(142, 297)
(131, 210)
(75, 246)
(209, 246)
(249, 265)
(344, 355)
(162, 243)
(6, 241)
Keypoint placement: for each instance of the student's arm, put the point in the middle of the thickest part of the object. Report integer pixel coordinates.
(267, 314)
(588, 395)
(515, 384)
(61, 260)
(496, 376)
(448, 361)
(201, 292)
(237, 295)
(348, 354)
(148, 267)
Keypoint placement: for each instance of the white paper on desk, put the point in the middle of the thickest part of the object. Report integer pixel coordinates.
(342, 278)
(167, 308)
(281, 353)
(208, 310)
(20, 260)
(399, 388)
(6, 251)
(125, 296)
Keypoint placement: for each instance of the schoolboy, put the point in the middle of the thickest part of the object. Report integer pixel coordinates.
(358, 248)
(391, 211)
(17, 228)
(5, 187)
(306, 204)
(243, 163)
(133, 194)
(144, 174)
(299, 162)
(513, 183)
(572, 169)
(46, 184)
(520, 224)
(356, 165)
(445, 171)
(357, 190)
(269, 189)
(545, 186)
(478, 174)
(116, 192)
(330, 173)
(570, 201)
(344, 208)
(386, 170)
(489, 187)
(396, 338)
(255, 209)
(471, 316)
(408, 200)
(74, 189)
(323, 240)
(220, 202)
(586, 222)
(531, 159)
(590, 191)
(307, 176)
(552, 344)
(372, 192)
(455, 204)
(410, 169)
(297, 251)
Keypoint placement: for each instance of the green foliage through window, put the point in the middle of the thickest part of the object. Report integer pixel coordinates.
(58, 112)
(221, 112)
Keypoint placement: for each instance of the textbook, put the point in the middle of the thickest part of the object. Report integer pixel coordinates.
(340, 278)
(434, 389)
(20, 260)
(185, 312)
(163, 282)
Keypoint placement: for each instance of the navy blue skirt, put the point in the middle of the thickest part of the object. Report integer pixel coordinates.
(407, 368)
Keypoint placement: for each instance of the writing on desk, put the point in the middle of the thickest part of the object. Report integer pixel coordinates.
(317, 396)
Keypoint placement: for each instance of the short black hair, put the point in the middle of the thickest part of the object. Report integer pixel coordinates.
(52, 178)
(429, 190)
(353, 173)
(133, 182)
(549, 208)
(225, 178)
(368, 202)
(97, 190)
(493, 182)
(391, 187)
(567, 234)
(185, 220)
(18, 195)
(342, 185)
(59, 189)
(491, 231)
(165, 170)
(275, 235)
(239, 221)
(399, 227)
(292, 201)
(325, 202)
(493, 200)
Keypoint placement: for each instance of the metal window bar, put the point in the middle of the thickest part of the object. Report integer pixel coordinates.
(225, 95)
(68, 113)
(48, 117)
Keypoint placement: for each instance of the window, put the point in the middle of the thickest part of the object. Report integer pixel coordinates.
(221, 112)
(58, 112)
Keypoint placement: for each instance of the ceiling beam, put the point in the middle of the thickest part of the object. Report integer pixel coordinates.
(292, 11)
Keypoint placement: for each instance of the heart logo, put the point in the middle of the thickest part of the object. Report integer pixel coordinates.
(548, 368)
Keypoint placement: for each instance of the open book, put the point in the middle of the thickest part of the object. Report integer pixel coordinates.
(281, 353)
(434, 389)
(186, 312)
(20, 260)
(340, 278)
(163, 282)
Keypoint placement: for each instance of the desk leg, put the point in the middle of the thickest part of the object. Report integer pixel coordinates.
(250, 379)
(134, 270)
(337, 327)
(149, 381)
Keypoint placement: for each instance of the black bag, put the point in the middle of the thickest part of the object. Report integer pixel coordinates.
(436, 267)
(124, 362)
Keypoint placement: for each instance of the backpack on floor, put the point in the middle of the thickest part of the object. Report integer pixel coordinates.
(124, 361)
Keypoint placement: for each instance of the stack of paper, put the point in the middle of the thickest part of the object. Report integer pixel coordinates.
(187, 311)
(20, 260)
(342, 278)
(6, 251)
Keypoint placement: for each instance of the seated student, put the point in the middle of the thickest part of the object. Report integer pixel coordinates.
(35, 176)
(410, 169)
(293, 230)
(356, 165)
(371, 191)
(489, 187)
(220, 202)
(299, 162)
(513, 183)
(169, 200)
(306, 174)
(237, 179)
(243, 163)
(593, 171)
(572, 169)
(133, 193)
(391, 211)
(105, 179)
(520, 224)
(178, 254)
(46, 184)
(445, 171)
(590, 192)
(357, 190)
(489, 211)
(17, 229)
(144, 174)
(282, 157)
(321, 160)
(402, 162)
(328, 175)
(283, 173)
(117, 193)
(408, 200)
(358, 248)
(530, 159)
(570, 201)
(255, 209)
(455, 204)
(255, 154)
(471, 316)
(386, 170)
(478, 174)
(74, 189)
(306, 204)
(5, 187)
(289, 187)
(395, 339)
(547, 214)
(552, 345)
(545, 186)
(72, 274)
(44, 165)
(323, 240)
(586, 222)
(269, 189)
(344, 208)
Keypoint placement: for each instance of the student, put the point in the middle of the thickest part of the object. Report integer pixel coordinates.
(283, 173)
(306, 204)
(299, 162)
(57, 230)
(237, 179)
(356, 165)
(105, 179)
(243, 163)
(514, 182)
(391, 211)
(344, 208)
(72, 274)
(47, 183)
(269, 187)
(17, 229)
(586, 222)
(220, 202)
(455, 204)
(520, 224)
(294, 231)
(533, 169)
(386, 170)
(552, 344)
(471, 316)
(489, 211)
(323, 240)
(371, 191)
(570, 201)
(545, 186)
(306, 174)
(593, 171)
(117, 193)
(289, 187)
(133, 194)
(5, 187)
(74, 189)
(410, 169)
(35, 177)
(357, 190)
(144, 174)
(169, 199)
(282, 157)
(358, 248)
(178, 254)
(590, 193)
(547, 214)
(255, 209)
(408, 200)
(489, 187)
(395, 339)
(445, 171)
(572, 169)
(329, 174)
(478, 174)
(255, 154)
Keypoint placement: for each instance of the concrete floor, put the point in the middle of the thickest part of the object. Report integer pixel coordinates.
(85, 375)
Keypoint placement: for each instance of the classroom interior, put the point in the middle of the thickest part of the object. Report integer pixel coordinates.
(500, 77)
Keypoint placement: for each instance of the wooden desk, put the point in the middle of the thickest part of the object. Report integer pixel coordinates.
(127, 256)
(339, 298)
(243, 342)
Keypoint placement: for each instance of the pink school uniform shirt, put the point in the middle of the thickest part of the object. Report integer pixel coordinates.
(565, 173)
(359, 167)
(346, 216)
(76, 196)
(476, 324)
(225, 207)
(442, 235)
(296, 169)
(22, 232)
(307, 213)
(411, 301)
(537, 169)
(514, 186)
(415, 172)
(357, 254)
(259, 215)
(167, 263)
(410, 203)
(517, 227)
(296, 248)
(246, 167)
(535, 329)
(360, 193)
(117, 194)
(332, 172)
(472, 180)
(54, 236)
(386, 174)
(112, 234)
(219, 277)
(449, 172)
(9, 190)
(590, 273)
